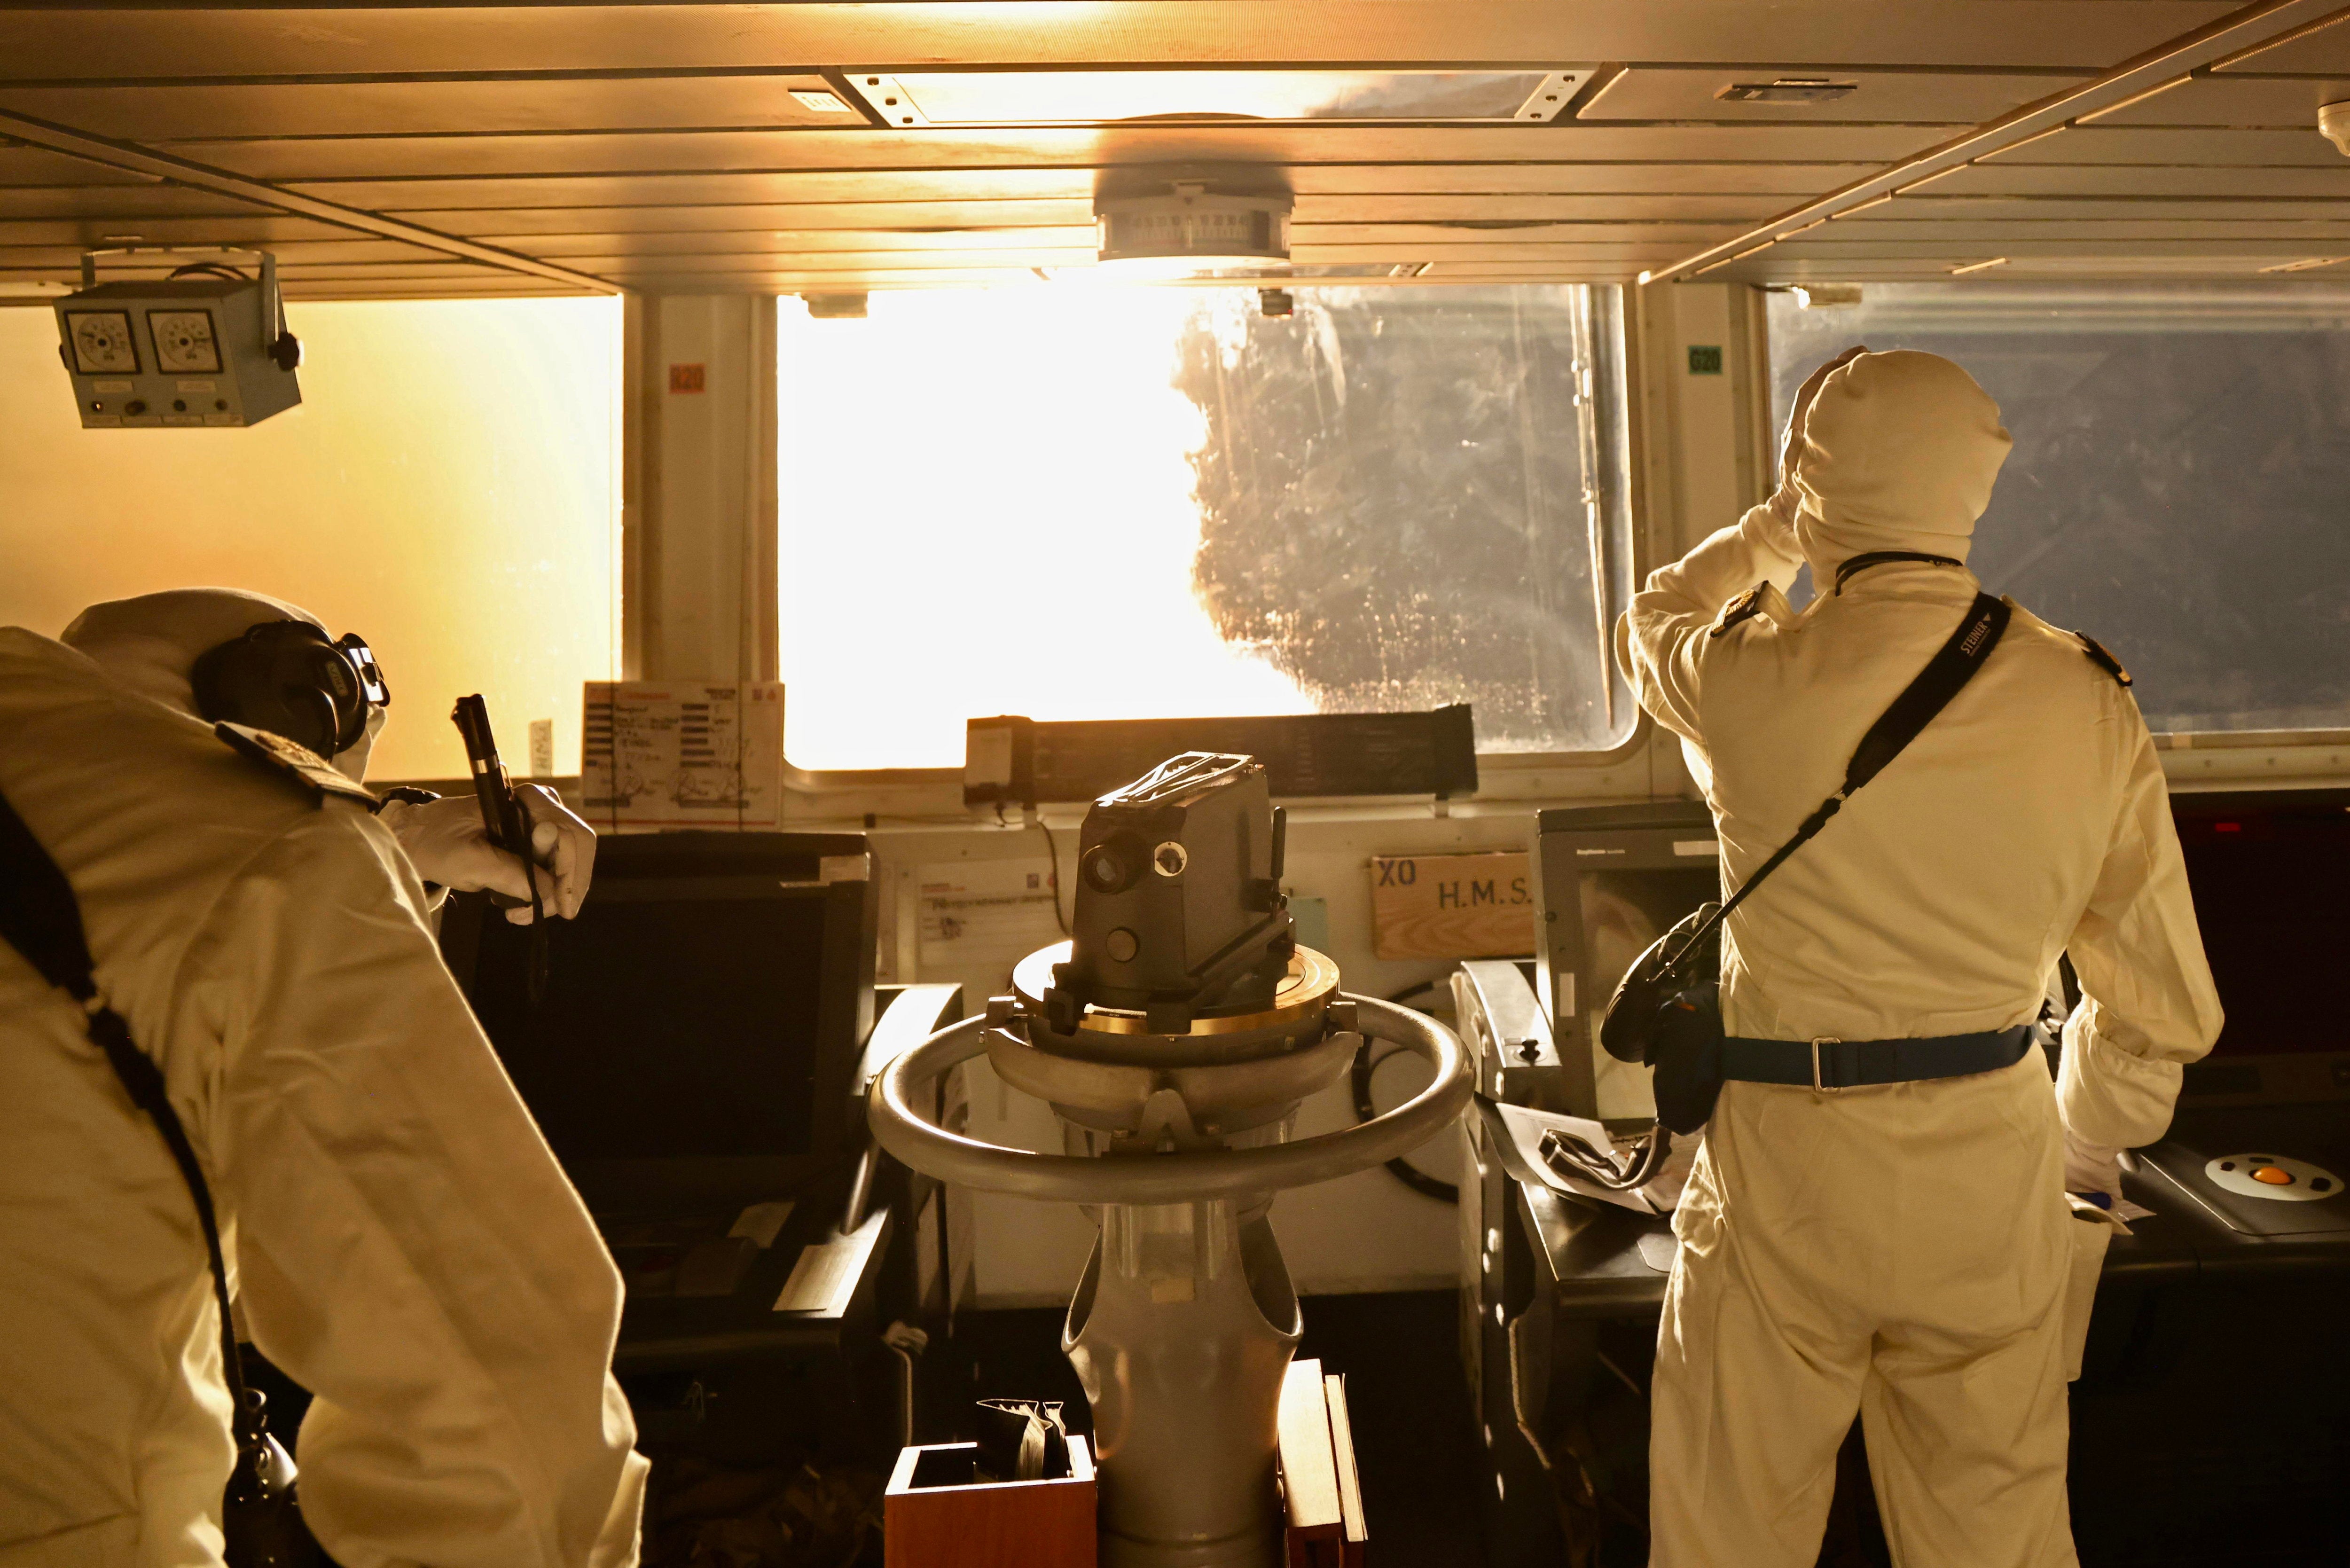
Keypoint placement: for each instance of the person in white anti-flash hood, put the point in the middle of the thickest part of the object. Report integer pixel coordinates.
(400, 1240)
(1902, 1251)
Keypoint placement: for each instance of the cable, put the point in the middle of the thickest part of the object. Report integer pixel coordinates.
(1403, 1170)
(1055, 850)
(210, 269)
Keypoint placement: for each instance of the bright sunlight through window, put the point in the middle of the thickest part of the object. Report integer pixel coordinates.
(1092, 502)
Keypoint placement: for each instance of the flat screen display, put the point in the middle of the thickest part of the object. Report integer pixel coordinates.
(1623, 913)
(670, 1028)
(2271, 884)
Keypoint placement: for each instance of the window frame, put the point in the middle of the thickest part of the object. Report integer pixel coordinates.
(2278, 754)
(1521, 769)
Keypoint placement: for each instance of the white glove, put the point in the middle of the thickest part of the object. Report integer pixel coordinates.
(2092, 1167)
(447, 844)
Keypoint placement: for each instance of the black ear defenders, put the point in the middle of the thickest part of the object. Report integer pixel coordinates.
(285, 677)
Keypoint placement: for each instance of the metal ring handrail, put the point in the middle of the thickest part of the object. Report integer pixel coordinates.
(1169, 1177)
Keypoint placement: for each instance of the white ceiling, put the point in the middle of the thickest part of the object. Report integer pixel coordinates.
(431, 150)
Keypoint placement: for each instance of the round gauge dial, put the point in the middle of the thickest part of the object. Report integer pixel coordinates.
(101, 343)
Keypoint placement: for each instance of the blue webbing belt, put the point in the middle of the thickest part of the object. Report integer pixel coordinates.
(1856, 1064)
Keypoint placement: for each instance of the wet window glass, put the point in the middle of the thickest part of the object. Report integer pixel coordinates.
(1083, 501)
(2177, 487)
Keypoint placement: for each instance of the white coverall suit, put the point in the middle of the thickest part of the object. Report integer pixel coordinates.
(399, 1239)
(1900, 1250)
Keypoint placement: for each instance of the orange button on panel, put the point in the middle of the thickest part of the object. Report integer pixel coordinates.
(2272, 1176)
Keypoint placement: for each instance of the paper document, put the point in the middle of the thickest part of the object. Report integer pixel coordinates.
(980, 918)
(682, 753)
(826, 1276)
(761, 1221)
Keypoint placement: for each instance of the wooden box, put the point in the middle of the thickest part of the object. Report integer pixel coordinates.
(934, 1515)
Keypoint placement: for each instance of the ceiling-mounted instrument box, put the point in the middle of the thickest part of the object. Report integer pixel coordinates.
(205, 347)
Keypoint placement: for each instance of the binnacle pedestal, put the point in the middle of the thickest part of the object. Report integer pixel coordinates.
(1175, 1037)
(1181, 1329)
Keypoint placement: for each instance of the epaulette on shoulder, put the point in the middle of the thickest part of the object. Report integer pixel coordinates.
(1745, 606)
(2103, 659)
(293, 762)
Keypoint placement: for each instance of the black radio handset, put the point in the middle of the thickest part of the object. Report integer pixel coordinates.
(506, 821)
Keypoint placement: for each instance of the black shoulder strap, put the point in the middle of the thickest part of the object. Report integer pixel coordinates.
(41, 919)
(1952, 666)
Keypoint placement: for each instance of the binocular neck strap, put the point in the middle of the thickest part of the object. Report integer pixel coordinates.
(42, 921)
(1945, 675)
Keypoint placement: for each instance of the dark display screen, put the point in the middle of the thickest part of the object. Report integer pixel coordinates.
(2271, 882)
(1623, 912)
(670, 1028)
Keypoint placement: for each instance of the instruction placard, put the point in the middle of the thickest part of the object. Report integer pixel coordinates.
(682, 753)
(981, 918)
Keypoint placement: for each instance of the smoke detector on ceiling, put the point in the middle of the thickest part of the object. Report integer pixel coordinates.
(1190, 227)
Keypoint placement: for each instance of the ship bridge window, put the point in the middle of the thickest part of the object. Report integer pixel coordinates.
(448, 489)
(1078, 502)
(2176, 488)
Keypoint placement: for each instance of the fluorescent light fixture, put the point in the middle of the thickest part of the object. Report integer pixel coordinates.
(1978, 266)
(1825, 295)
(821, 101)
(1787, 90)
(1107, 96)
(2310, 264)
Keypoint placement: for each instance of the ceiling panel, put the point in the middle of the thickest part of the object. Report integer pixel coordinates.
(1970, 209)
(182, 43)
(2319, 52)
(249, 228)
(657, 145)
(2192, 147)
(66, 256)
(527, 228)
(2097, 231)
(125, 202)
(2005, 179)
(422, 199)
(607, 254)
(1899, 270)
(2286, 101)
(315, 291)
(381, 109)
(22, 165)
(1913, 98)
(879, 151)
(1959, 250)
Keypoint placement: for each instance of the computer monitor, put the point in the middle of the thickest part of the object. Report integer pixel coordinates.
(699, 1022)
(1608, 881)
(2270, 870)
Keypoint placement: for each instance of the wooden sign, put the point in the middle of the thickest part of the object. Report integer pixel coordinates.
(1451, 905)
